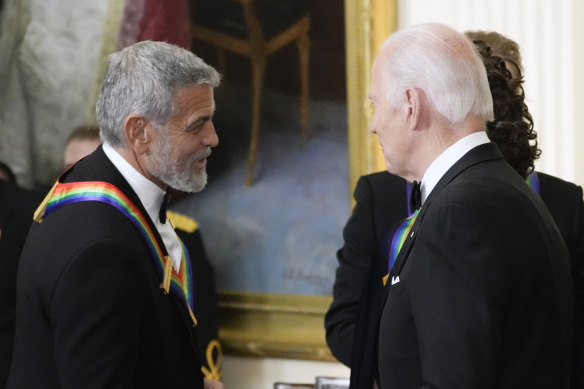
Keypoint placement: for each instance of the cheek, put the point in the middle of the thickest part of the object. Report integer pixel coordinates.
(382, 118)
(188, 151)
(377, 122)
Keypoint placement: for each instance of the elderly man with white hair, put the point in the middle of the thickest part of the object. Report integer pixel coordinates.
(480, 293)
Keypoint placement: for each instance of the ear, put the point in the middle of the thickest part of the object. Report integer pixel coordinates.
(138, 133)
(415, 103)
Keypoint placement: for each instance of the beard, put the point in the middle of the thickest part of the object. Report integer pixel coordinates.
(181, 174)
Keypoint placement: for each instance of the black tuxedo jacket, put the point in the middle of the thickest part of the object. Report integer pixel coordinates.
(356, 308)
(564, 201)
(90, 311)
(480, 295)
(17, 206)
(380, 203)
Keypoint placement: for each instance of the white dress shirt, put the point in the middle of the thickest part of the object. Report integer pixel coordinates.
(447, 159)
(151, 196)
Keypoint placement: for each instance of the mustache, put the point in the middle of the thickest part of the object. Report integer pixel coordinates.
(202, 154)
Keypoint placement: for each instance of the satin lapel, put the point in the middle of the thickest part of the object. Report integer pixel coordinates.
(479, 154)
(482, 153)
(98, 167)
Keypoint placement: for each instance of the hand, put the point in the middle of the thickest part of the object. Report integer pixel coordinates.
(212, 384)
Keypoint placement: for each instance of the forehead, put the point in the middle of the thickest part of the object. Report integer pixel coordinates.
(194, 98)
(378, 71)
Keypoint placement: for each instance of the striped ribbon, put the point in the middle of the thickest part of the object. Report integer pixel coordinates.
(399, 237)
(180, 284)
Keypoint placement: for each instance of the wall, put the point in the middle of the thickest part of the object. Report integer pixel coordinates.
(550, 38)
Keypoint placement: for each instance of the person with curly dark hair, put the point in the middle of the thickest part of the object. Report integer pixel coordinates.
(512, 130)
(382, 200)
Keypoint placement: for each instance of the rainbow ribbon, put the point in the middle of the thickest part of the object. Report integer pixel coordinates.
(180, 284)
(399, 237)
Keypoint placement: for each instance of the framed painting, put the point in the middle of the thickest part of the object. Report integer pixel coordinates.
(273, 240)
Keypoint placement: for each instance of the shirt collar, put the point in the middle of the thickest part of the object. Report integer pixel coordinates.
(150, 194)
(448, 158)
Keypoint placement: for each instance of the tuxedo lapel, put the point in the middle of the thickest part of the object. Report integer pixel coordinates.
(479, 154)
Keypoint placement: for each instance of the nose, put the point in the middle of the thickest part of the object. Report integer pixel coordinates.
(211, 138)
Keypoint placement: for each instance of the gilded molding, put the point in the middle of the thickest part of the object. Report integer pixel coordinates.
(368, 23)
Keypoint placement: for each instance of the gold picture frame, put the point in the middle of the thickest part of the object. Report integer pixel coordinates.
(292, 326)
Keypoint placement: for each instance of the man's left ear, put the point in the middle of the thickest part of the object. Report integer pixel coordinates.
(415, 101)
(139, 133)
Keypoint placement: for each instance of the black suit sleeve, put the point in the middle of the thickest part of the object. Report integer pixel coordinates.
(17, 206)
(355, 259)
(95, 309)
(576, 249)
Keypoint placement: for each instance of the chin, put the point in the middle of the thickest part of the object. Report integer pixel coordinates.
(197, 182)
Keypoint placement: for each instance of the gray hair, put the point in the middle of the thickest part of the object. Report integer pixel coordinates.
(445, 65)
(142, 79)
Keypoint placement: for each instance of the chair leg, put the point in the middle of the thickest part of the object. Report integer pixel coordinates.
(303, 44)
(258, 65)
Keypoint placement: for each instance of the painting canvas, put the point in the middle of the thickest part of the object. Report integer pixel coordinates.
(273, 243)
(279, 234)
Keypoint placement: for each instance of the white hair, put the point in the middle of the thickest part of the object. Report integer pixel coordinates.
(444, 64)
(142, 79)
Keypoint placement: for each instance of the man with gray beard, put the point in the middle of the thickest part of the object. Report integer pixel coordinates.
(105, 287)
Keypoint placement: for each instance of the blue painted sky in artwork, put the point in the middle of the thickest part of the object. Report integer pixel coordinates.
(281, 234)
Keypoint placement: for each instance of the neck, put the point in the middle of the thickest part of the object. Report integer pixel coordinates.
(440, 136)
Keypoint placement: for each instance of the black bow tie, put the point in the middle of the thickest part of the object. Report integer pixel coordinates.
(164, 206)
(415, 196)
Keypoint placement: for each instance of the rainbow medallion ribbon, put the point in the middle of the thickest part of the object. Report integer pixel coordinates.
(399, 237)
(180, 284)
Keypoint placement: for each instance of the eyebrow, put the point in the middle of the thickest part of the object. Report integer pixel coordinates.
(200, 120)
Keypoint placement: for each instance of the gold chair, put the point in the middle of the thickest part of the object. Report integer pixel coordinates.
(256, 29)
